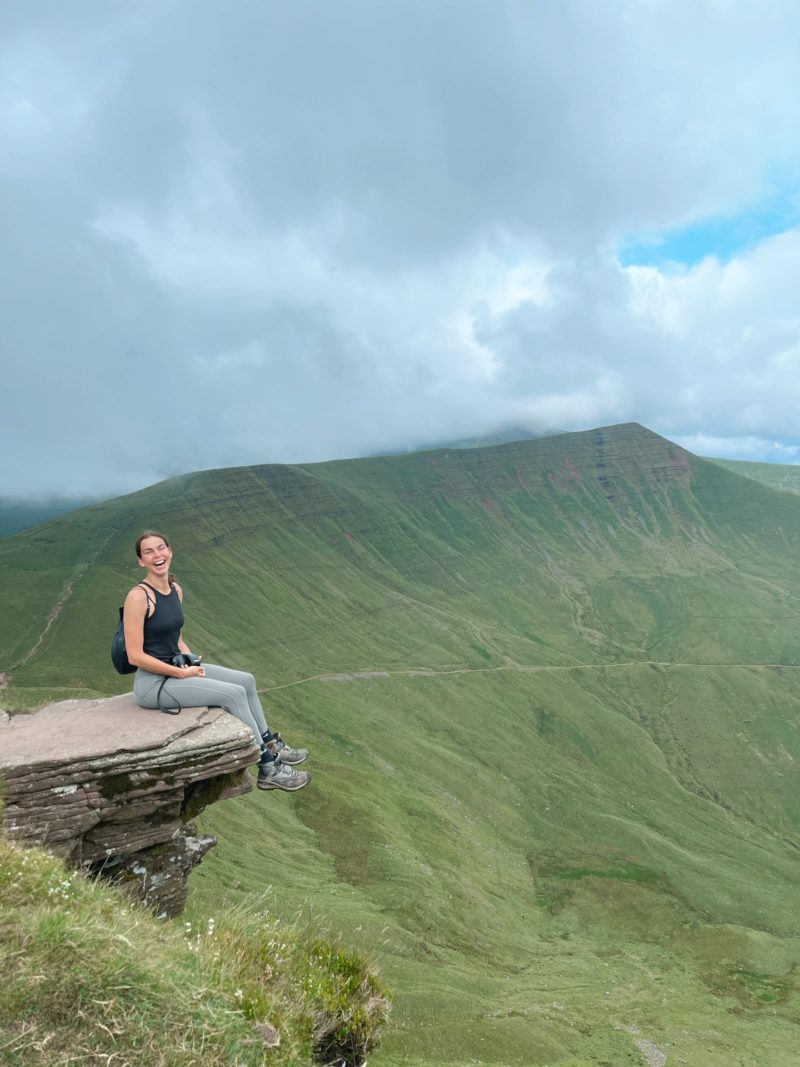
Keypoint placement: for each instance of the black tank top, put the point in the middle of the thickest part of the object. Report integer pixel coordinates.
(163, 628)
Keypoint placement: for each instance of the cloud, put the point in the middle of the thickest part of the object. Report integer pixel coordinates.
(264, 233)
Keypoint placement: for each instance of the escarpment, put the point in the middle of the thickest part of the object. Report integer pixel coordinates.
(113, 788)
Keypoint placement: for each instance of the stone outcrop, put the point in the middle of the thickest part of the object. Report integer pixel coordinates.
(113, 787)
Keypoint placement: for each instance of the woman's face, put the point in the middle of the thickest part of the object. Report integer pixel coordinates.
(155, 556)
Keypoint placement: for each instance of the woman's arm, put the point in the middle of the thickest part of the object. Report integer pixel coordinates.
(134, 616)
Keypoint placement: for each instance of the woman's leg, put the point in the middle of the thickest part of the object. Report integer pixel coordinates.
(196, 692)
(247, 682)
(274, 740)
(273, 772)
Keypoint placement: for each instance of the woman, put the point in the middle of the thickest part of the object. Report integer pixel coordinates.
(169, 676)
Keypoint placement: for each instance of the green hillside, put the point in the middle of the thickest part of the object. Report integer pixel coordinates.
(776, 475)
(17, 514)
(90, 979)
(551, 693)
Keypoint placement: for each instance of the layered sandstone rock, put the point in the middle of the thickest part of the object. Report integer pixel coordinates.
(113, 787)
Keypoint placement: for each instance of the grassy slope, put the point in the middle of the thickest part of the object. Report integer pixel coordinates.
(90, 979)
(566, 808)
(776, 475)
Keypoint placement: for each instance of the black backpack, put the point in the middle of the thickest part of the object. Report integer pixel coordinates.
(119, 654)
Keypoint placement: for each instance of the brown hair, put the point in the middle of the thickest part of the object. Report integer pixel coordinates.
(164, 538)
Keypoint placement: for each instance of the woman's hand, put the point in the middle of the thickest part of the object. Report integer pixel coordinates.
(192, 672)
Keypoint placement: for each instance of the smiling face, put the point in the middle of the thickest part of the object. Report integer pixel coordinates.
(155, 556)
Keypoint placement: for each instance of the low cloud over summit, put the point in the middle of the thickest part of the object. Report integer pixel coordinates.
(270, 233)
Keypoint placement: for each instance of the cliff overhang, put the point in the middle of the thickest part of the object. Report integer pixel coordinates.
(113, 788)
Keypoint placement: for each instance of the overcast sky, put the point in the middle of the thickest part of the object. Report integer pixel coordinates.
(251, 231)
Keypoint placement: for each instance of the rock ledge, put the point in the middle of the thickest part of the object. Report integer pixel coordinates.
(113, 787)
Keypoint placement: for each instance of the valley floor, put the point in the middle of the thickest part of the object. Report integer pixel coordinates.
(606, 900)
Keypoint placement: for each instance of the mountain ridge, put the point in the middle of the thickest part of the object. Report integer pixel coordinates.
(20, 515)
(398, 520)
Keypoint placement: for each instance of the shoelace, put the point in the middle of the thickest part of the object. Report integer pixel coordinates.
(281, 746)
(284, 767)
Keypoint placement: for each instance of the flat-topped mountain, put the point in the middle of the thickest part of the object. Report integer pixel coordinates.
(551, 692)
(334, 566)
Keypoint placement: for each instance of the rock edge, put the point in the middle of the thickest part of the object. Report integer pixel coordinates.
(113, 788)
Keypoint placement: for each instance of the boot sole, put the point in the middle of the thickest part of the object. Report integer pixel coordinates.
(285, 786)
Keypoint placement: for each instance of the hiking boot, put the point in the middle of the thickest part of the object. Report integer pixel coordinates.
(277, 775)
(285, 753)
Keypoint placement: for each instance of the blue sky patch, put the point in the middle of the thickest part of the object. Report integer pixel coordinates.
(723, 236)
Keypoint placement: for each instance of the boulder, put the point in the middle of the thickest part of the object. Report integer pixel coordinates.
(113, 787)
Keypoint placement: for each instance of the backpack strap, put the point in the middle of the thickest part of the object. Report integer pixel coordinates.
(150, 601)
(169, 711)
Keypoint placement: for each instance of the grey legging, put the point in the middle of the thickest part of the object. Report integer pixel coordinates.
(221, 688)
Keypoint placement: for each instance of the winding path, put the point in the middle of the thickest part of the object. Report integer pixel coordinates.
(424, 672)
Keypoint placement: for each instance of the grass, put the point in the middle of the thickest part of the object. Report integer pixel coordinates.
(782, 476)
(89, 979)
(585, 870)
